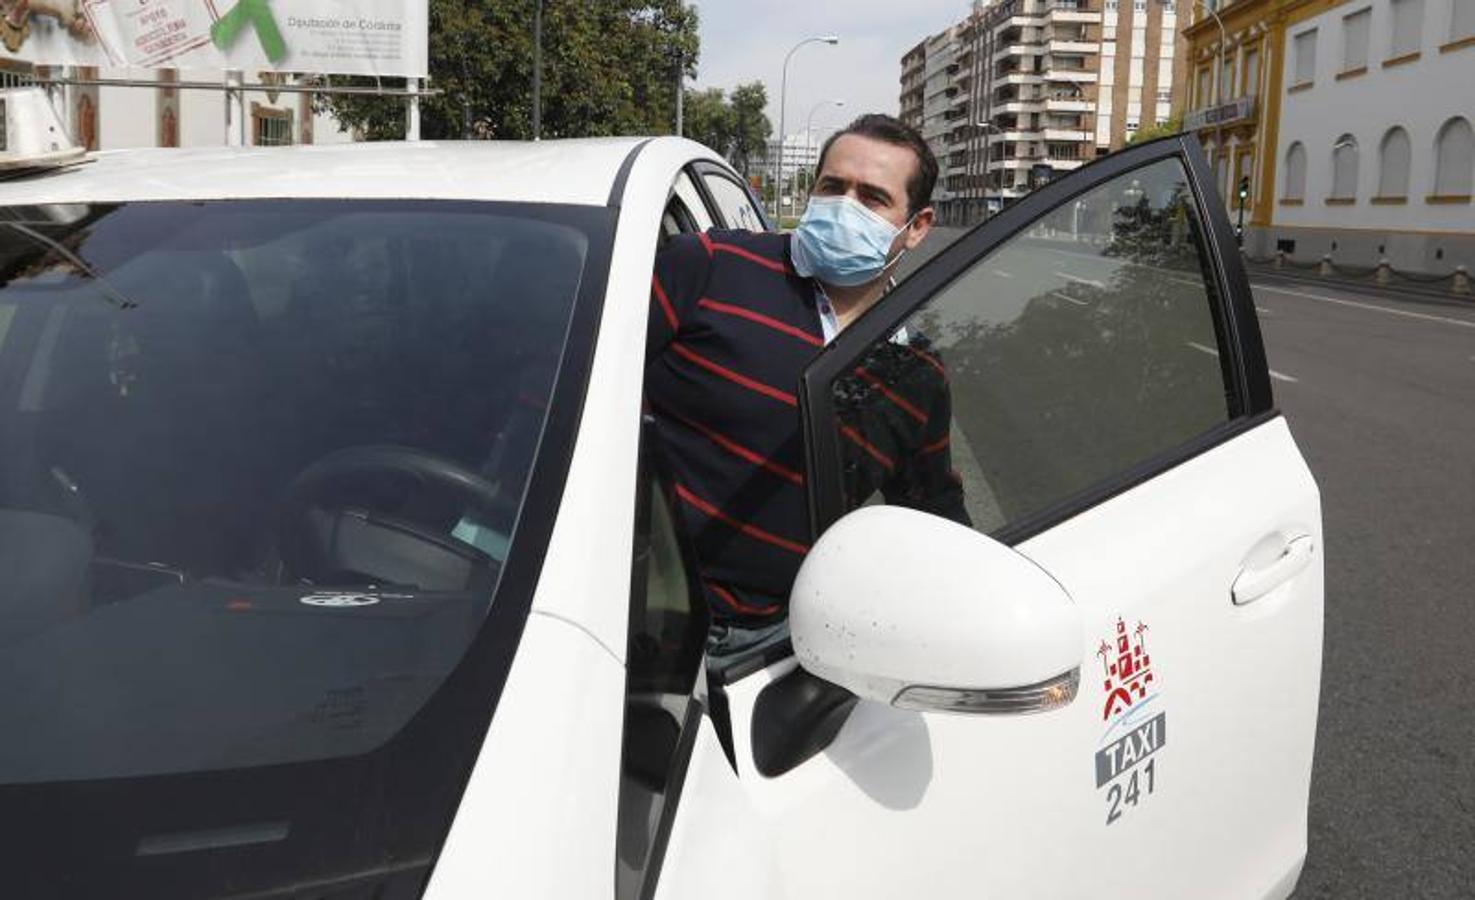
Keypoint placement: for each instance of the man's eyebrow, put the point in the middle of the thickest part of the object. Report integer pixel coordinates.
(874, 190)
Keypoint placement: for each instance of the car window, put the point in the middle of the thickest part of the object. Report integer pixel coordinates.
(734, 201)
(263, 467)
(686, 191)
(664, 651)
(1077, 350)
(684, 213)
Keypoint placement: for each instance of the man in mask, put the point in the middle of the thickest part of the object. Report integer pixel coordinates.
(735, 318)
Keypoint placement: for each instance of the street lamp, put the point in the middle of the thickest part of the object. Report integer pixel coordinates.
(809, 126)
(778, 173)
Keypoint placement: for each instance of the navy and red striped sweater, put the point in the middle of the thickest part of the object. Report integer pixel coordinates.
(732, 328)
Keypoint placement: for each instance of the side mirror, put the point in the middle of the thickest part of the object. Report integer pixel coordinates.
(909, 609)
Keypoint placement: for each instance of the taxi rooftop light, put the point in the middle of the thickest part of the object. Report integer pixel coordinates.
(31, 133)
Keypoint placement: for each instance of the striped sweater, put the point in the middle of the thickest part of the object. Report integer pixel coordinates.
(732, 328)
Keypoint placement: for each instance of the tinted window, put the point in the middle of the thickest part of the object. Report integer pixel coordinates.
(262, 465)
(1075, 351)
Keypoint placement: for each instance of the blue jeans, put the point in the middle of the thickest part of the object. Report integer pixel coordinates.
(727, 639)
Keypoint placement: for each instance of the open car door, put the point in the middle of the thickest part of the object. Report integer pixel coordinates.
(1087, 657)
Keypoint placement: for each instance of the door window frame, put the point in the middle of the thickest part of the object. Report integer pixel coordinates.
(1242, 356)
(703, 168)
(652, 472)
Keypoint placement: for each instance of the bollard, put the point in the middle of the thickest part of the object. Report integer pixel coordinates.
(1280, 259)
(1462, 281)
(1326, 266)
(1385, 271)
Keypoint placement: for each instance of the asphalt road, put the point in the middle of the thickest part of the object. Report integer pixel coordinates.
(1379, 392)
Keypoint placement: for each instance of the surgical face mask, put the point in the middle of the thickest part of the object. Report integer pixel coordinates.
(841, 242)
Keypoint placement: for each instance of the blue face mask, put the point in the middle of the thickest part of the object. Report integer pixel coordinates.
(840, 242)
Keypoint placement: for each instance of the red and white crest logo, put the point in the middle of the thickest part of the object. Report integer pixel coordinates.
(1127, 669)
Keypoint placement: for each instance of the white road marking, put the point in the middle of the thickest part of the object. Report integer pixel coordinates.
(1262, 310)
(1078, 280)
(1001, 273)
(1070, 298)
(1188, 281)
(1278, 376)
(1465, 323)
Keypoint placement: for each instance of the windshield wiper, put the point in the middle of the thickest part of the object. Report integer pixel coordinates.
(115, 296)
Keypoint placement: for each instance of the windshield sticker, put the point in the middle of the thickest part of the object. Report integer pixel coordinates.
(1125, 759)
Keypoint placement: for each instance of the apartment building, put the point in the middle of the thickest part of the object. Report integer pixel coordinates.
(1021, 91)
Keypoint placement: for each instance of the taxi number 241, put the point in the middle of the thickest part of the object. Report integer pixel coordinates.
(1127, 793)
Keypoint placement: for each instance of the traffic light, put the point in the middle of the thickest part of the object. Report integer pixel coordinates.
(1244, 189)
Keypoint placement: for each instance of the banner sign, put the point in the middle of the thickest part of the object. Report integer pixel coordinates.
(337, 37)
(1224, 114)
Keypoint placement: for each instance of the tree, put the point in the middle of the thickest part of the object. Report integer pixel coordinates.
(609, 67)
(1152, 132)
(750, 126)
(709, 119)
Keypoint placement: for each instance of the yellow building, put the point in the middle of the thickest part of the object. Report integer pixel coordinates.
(1232, 99)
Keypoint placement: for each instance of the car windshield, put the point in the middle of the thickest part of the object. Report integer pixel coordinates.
(262, 472)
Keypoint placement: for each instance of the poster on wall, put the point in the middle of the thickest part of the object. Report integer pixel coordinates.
(338, 37)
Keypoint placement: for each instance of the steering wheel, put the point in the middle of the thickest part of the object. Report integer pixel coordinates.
(330, 534)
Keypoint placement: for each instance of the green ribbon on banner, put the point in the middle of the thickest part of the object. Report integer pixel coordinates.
(250, 12)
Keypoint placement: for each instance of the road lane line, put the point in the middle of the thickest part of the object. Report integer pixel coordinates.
(1278, 376)
(1068, 277)
(1070, 298)
(1373, 306)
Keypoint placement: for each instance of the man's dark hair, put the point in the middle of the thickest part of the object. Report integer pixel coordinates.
(881, 127)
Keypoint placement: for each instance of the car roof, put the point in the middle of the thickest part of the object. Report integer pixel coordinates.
(580, 171)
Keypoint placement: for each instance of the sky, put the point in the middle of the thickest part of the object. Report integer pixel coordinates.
(746, 40)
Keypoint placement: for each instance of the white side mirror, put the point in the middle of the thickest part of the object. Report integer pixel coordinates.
(909, 609)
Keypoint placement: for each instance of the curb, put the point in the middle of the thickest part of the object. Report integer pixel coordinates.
(1406, 291)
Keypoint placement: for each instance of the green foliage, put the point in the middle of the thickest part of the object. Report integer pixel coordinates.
(1153, 132)
(609, 67)
(736, 127)
(750, 127)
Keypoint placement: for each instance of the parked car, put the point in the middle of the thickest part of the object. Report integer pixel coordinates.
(336, 558)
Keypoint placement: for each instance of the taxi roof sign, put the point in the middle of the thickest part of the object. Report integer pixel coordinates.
(31, 133)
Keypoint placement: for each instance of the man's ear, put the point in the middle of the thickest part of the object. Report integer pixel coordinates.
(920, 226)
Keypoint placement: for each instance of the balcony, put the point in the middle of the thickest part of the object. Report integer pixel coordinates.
(1070, 12)
(1069, 105)
(1067, 135)
(1076, 76)
(1074, 46)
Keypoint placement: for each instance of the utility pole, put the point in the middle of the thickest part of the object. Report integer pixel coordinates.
(680, 90)
(537, 70)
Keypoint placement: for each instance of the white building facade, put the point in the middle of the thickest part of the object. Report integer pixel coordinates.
(105, 116)
(1376, 146)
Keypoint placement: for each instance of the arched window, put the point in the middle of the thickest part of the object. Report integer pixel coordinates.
(1344, 168)
(1295, 177)
(1394, 159)
(1454, 159)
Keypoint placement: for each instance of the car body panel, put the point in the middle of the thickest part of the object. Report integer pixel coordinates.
(588, 563)
(573, 171)
(538, 815)
(1008, 806)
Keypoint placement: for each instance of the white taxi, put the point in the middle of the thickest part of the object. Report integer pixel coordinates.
(336, 561)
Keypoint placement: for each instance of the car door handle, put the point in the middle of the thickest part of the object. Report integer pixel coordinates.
(1254, 583)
